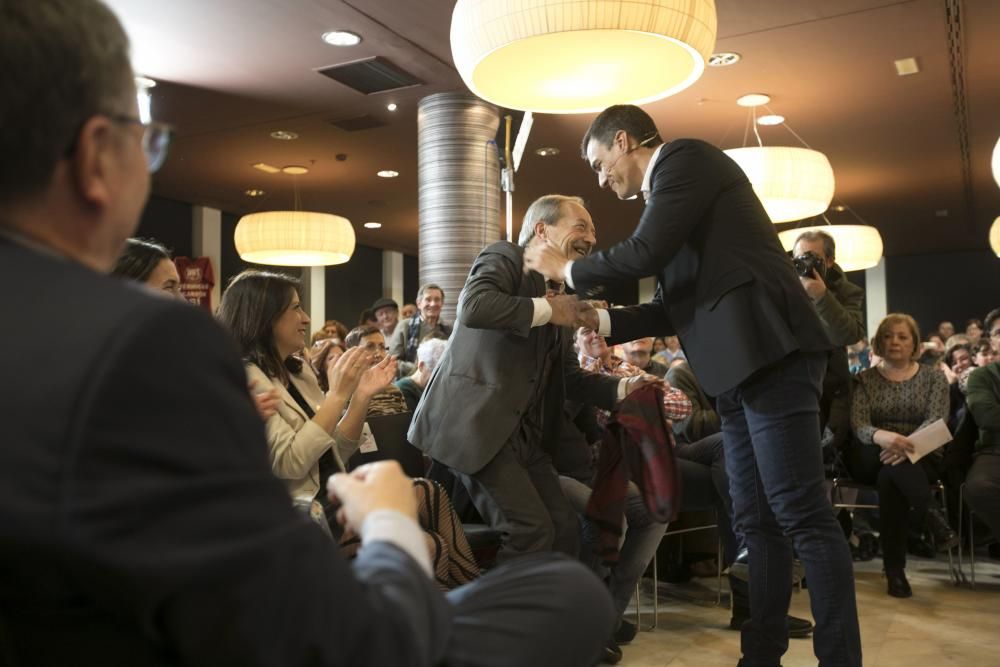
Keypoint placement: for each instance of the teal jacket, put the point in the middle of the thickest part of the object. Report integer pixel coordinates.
(983, 401)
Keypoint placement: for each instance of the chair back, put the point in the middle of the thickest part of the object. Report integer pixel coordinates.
(389, 432)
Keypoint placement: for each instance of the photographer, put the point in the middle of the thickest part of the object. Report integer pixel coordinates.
(839, 305)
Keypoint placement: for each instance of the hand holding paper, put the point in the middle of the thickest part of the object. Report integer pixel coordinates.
(927, 439)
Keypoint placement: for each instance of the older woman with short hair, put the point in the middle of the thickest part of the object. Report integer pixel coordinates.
(893, 400)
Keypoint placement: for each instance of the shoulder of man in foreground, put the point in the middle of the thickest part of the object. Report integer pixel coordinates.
(166, 513)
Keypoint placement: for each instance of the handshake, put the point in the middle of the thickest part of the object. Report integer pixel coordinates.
(569, 311)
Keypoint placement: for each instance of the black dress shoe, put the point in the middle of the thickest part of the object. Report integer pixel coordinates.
(625, 632)
(945, 539)
(798, 628)
(612, 653)
(899, 587)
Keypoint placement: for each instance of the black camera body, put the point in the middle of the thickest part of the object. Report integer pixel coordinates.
(806, 262)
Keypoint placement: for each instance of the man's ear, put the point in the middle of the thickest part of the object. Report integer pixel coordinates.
(91, 161)
(540, 230)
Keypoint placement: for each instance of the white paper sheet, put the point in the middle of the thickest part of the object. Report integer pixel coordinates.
(927, 439)
(367, 440)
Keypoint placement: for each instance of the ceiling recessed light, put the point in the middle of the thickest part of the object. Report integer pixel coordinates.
(388, 173)
(254, 192)
(547, 151)
(266, 168)
(839, 208)
(723, 59)
(753, 100)
(144, 82)
(391, 106)
(295, 170)
(373, 225)
(341, 38)
(906, 66)
(284, 135)
(771, 119)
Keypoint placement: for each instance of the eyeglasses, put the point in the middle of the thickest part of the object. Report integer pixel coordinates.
(155, 139)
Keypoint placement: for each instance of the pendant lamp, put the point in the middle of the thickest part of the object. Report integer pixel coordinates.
(294, 238)
(995, 236)
(791, 182)
(576, 56)
(858, 246)
(996, 162)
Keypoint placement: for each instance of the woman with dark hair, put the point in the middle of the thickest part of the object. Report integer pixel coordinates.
(148, 262)
(892, 401)
(311, 436)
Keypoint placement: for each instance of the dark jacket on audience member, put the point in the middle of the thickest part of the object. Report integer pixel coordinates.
(983, 401)
(138, 509)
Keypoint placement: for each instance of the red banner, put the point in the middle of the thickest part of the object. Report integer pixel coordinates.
(197, 280)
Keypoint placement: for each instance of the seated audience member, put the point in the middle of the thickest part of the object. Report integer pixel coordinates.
(336, 329)
(934, 342)
(658, 345)
(428, 355)
(323, 357)
(946, 330)
(982, 483)
(367, 319)
(984, 354)
(707, 452)
(140, 523)
(389, 399)
(407, 311)
(308, 439)
(386, 312)
(703, 420)
(671, 352)
(973, 330)
(425, 323)
(639, 353)
(958, 359)
(148, 262)
(892, 401)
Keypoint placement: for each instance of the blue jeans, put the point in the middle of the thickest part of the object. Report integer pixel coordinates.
(770, 426)
(642, 537)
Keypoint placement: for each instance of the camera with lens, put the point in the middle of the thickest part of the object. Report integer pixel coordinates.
(806, 262)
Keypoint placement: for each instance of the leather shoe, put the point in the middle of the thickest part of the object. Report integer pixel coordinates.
(899, 587)
(612, 653)
(945, 538)
(798, 628)
(740, 567)
(625, 632)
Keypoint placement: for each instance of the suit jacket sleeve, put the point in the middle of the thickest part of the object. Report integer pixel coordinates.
(490, 298)
(645, 319)
(982, 398)
(178, 525)
(842, 315)
(684, 186)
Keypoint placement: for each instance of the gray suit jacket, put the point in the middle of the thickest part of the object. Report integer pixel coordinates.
(486, 379)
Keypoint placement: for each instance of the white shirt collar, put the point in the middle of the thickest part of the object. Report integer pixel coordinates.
(646, 185)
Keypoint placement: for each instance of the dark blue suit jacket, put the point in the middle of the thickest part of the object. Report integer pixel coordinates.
(140, 523)
(726, 287)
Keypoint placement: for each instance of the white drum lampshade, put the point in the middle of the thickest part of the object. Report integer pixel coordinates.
(858, 246)
(294, 238)
(576, 56)
(792, 183)
(995, 236)
(996, 162)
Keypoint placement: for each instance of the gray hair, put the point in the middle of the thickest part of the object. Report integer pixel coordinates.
(829, 245)
(64, 61)
(431, 351)
(429, 286)
(547, 209)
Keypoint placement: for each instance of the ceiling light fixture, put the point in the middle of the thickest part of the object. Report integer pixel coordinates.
(391, 106)
(295, 170)
(541, 55)
(996, 162)
(388, 173)
(792, 183)
(254, 192)
(771, 119)
(547, 151)
(724, 59)
(341, 38)
(373, 225)
(266, 168)
(294, 238)
(284, 135)
(906, 66)
(995, 236)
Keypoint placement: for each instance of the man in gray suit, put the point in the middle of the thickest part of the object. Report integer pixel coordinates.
(491, 412)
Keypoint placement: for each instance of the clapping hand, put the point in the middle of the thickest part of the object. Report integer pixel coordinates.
(346, 373)
(369, 488)
(266, 402)
(377, 377)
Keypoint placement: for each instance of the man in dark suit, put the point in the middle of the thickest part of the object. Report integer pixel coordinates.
(754, 341)
(140, 523)
(492, 409)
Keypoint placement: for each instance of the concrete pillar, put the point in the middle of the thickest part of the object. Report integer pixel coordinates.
(876, 296)
(314, 294)
(459, 188)
(206, 241)
(392, 275)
